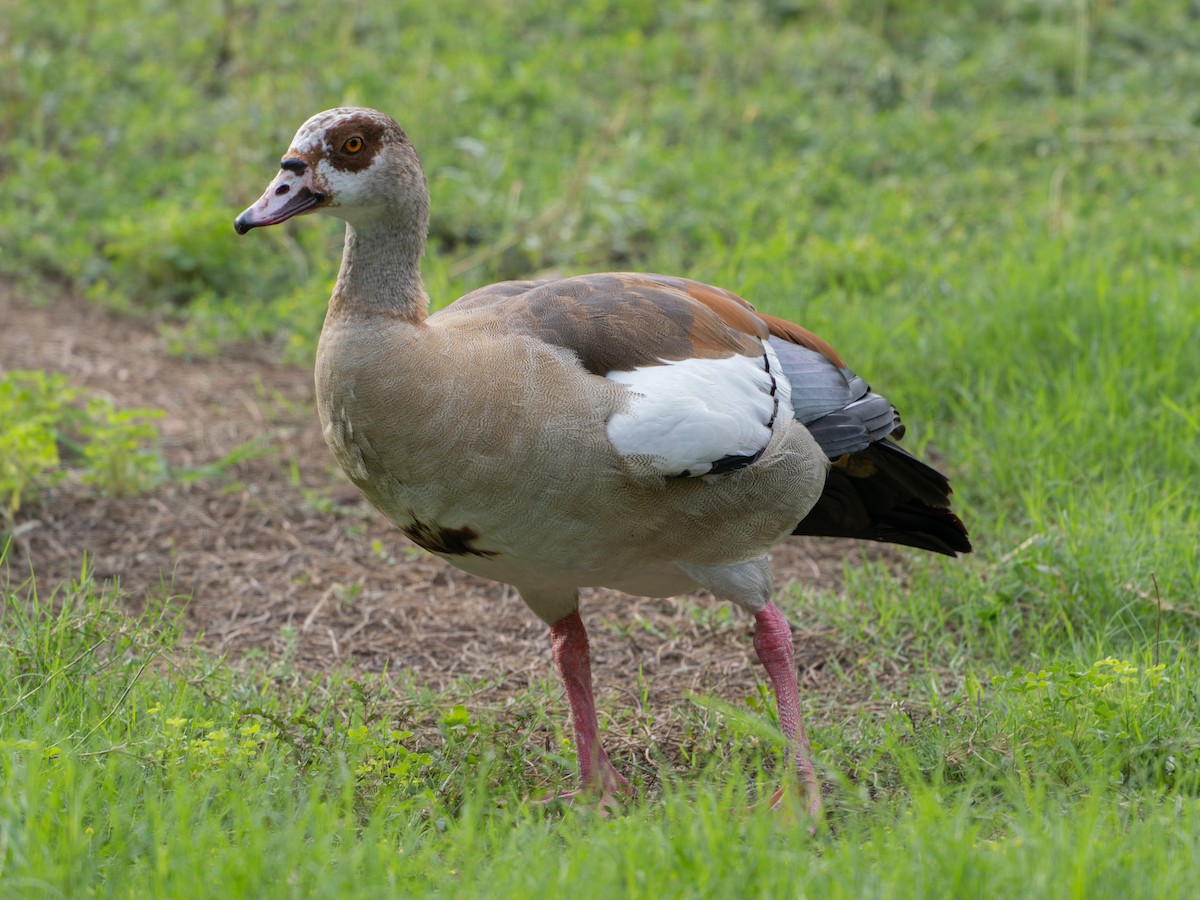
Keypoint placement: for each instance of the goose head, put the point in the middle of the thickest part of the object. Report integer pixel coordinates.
(350, 162)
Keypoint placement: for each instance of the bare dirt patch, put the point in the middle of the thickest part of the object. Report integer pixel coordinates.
(280, 544)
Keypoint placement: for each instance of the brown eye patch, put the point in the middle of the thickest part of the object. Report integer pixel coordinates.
(358, 139)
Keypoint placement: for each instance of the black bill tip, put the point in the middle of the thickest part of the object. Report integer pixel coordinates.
(243, 223)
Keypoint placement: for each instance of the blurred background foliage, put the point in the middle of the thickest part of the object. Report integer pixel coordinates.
(810, 153)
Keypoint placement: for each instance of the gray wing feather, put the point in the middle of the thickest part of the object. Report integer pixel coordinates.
(836, 405)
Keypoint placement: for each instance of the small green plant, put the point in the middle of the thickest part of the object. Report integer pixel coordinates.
(31, 405)
(120, 448)
(1115, 714)
(49, 429)
(456, 723)
(386, 753)
(193, 743)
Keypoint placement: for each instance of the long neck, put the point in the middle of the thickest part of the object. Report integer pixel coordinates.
(381, 270)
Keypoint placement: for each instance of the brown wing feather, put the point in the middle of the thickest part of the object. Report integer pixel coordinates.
(624, 321)
(731, 309)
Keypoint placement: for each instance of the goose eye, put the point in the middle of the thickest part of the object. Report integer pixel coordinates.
(352, 145)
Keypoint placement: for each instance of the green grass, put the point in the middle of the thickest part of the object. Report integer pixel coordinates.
(132, 767)
(990, 209)
(114, 451)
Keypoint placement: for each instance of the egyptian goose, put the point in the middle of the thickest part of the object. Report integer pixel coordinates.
(645, 433)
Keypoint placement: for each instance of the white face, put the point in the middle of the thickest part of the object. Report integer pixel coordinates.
(331, 166)
(344, 147)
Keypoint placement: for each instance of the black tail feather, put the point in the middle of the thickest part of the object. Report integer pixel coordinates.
(883, 493)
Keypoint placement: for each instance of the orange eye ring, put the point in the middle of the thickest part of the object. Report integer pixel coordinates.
(352, 145)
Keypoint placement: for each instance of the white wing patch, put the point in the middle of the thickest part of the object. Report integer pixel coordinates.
(696, 414)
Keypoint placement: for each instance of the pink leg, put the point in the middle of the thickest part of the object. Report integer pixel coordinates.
(574, 665)
(773, 643)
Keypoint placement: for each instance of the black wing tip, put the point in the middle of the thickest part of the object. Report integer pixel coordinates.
(886, 494)
(920, 527)
(936, 530)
